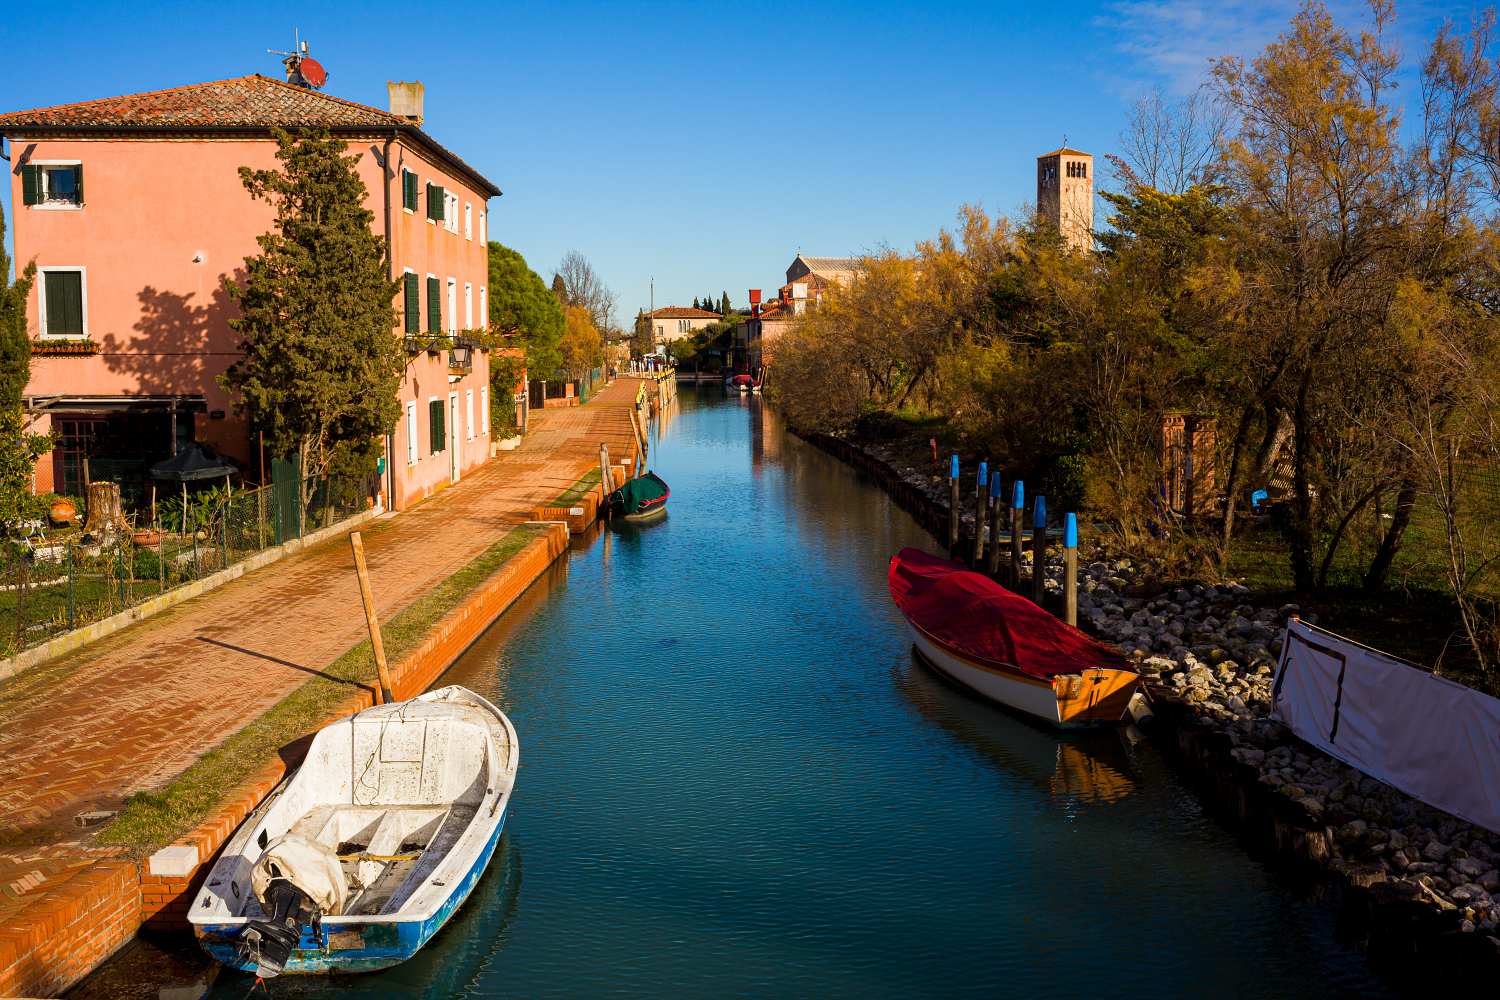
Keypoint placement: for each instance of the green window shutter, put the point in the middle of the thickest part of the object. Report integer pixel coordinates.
(413, 306)
(432, 200)
(78, 182)
(437, 434)
(64, 293)
(31, 185)
(434, 306)
(438, 201)
(409, 190)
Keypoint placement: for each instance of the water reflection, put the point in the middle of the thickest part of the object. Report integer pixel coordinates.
(1083, 767)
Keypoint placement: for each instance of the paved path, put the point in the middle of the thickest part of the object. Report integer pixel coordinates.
(133, 710)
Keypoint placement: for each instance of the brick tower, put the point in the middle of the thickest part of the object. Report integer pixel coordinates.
(1065, 195)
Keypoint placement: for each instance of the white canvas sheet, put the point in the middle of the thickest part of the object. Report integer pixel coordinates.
(1432, 738)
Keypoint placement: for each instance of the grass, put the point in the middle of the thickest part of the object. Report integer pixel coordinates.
(153, 819)
(578, 490)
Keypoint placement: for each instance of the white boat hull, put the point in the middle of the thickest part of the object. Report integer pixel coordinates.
(1034, 697)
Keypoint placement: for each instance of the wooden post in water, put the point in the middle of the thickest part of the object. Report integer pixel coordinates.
(981, 500)
(1070, 570)
(1038, 550)
(996, 517)
(358, 545)
(953, 511)
(1017, 510)
(604, 477)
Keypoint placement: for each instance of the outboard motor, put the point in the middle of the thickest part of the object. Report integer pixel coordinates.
(268, 943)
(296, 881)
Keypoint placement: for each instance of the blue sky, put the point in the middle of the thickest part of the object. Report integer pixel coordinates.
(706, 143)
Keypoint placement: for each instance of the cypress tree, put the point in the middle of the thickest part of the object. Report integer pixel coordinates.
(559, 289)
(695, 303)
(18, 449)
(322, 362)
(724, 305)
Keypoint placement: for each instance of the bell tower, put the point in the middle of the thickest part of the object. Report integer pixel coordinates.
(1065, 195)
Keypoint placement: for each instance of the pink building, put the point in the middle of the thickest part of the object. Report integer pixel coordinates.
(133, 210)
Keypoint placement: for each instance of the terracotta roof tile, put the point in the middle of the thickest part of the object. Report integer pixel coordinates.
(683, 312)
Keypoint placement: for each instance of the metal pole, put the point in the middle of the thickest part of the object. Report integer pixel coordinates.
(357, 544)
(981, 499)
(995, 519)
(1070, 570)
(953, 512)
(71, 606)
(1017, 508)
(1039, 550)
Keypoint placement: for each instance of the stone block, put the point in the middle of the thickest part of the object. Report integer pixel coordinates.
(177, 861)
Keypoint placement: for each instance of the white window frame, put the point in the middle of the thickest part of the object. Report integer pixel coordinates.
(411, 433)
(468, 220)
(468, 306)
(452, 305)
(42, 184)
(450, 211)
(41, 300)
(484, 308)
(484, 226)
(469, 414)
(484, 409)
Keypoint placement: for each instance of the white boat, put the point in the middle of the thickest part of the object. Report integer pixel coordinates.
(362, 855)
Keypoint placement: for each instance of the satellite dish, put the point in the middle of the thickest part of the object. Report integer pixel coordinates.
(313, 72)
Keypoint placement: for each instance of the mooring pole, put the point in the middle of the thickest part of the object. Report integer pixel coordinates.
(358, 545)
(1070, 570)
(953, 511)
(995, 509)
(1017, 511)
(981, 499)
(1038, 550)
(604, 477)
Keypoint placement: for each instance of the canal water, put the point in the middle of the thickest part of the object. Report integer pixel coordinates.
(735, 782)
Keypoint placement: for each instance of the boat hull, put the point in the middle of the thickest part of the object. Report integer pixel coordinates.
(1092, 697)
(647, 516)
(354, 944)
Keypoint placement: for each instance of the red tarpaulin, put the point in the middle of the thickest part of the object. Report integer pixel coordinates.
(980, 618)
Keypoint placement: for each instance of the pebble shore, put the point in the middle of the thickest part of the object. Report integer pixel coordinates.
(1426, 882)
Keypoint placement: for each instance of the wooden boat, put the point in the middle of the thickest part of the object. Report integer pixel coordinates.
(642, 499)
(360, 857)
(1000, 645)
(740, 383)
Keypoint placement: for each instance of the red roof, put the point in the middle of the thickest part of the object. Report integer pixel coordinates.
(254, 103)
(980, 618)
(683, 312)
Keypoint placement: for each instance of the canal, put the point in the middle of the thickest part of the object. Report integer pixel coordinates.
(735, 782)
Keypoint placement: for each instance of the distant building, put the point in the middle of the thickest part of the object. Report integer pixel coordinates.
(671, 323)
(1065, 195)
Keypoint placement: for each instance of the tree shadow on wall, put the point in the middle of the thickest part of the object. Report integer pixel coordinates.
(178, 345)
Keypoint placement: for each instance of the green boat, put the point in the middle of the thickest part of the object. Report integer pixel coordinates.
(641, 499)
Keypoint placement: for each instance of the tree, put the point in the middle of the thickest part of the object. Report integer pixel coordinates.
(322, 364)
(695, 303)
(1171, 145)
(18, 449)
(559, 289)
(582, 343)
(643, 339)
(724, 309)
(585, 288)
(521, 304)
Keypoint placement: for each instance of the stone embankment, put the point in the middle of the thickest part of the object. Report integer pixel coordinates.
(1411, 882)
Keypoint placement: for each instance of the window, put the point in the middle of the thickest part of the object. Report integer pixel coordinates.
(437, 430)
(435, 202)
(452, 306)
(408, 190)
(411, 433)
(434, 305)
(64, 299)
(484, 409)
(52, 184)
(484, 308)
(450, 212)
(469, 413)
(483, 217)
(468, 221)
(468, 306)
(412, 302)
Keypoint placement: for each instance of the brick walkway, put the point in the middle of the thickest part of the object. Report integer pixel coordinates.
(134, 710)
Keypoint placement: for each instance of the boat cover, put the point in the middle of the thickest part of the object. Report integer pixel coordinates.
(306, 864)
(1429, 736)
(983, 620)
(641, 494)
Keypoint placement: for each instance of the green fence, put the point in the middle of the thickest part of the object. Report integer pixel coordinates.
(48, 587)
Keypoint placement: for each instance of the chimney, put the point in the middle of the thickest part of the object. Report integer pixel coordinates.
(406, 99)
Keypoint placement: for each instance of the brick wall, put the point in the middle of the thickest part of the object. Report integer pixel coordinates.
(70, 930)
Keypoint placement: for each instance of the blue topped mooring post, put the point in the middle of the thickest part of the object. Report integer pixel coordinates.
(1017, 511)
(981, 499)
(1039, 549)
(953, 512)
(994, 519)
(1070, 569)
